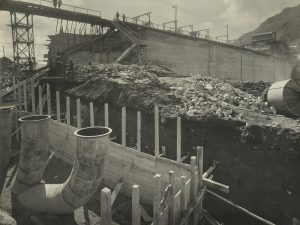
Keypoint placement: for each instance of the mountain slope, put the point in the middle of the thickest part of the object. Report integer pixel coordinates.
(286, 24)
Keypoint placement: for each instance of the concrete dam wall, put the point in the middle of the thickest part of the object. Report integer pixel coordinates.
(186, 55)
(189, 55)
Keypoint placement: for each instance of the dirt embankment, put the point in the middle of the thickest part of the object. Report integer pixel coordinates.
(258, 150)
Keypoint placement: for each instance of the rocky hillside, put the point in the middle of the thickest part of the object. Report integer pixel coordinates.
(286, 24)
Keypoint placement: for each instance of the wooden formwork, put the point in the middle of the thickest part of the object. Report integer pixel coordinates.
(174, 189)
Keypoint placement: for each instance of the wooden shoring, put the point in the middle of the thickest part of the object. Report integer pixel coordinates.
(78, 112)
(124, 126)
(19, 97)
(106, 215)
(193, 178)
(120, 183)
(92, 119)
(183, 197)
(136, 208)
(139, 128)
(172, 199)
(68, 111)
(57, 93)
(156, 198)
(197, 216)
(48, 100)
(106, 115)
(178, 139)
(32, 96)
(25, 96)
(40, 99)
(156, 130)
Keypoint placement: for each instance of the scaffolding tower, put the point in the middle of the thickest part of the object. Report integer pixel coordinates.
(23, 40)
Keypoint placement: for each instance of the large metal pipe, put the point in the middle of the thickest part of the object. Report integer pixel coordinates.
(284, 96)
(5, 141)
(84, 180)
(34, 152)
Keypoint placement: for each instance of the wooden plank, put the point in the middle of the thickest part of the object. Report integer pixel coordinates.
(78, 111)
(145, 215)
(25, 96)
(120, 183)
(216, 185)
(136, 209)
(32, 96)
(183, 194)
(193, 177)
(40, 99)
(106, 215)
(172, 199)
(106, 115)
(19, 97)
(124, 126)
(178, 139)
(197, 216)
(57, 93)
(48, 100)
(92, 119)
(139, 128)
(68, 111)
(200, 166)
(156, 130)
(156, 199)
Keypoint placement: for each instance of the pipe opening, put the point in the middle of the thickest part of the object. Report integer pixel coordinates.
(34, 118)
(93, 132)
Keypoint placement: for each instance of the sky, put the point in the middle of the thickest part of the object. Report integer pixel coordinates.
(241, 16)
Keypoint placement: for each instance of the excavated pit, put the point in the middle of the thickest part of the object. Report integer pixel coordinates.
(258, 153)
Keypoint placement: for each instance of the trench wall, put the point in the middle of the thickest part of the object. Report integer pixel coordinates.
(187, 55)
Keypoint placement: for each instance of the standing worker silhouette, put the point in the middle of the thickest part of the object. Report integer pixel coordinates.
(59, 3)
(55, 3)
(117, 15)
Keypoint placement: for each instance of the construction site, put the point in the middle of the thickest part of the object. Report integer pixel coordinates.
(132, 122)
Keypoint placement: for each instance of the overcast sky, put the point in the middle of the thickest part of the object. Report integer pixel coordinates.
(241, 15)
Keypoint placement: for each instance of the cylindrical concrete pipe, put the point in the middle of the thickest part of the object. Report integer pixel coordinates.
(284, 96)
(5, 141)
(86, 175)
(34, 151)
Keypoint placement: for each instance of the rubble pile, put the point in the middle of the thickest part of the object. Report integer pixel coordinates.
(254, 88)
(194, 98)
(211, 96)
(6, 71)
(134, 73)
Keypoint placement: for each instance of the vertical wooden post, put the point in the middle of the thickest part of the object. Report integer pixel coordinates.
(40, 99)
(19, 97)
(48, 100)
(78, 107)
(17, 125)
(178, 139)
(139, 128)
(25, 96)
(156, 130)
(32, 96)
(57, 106)
(200, 165)
(156, 198)
(106, 215)
(92, 120)
(124, 126)
(183, 194)
(172, 199)
(106, 115)
(193, 178)
(68, 111)
(136, 208)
